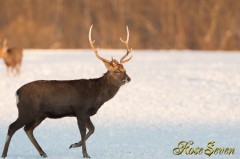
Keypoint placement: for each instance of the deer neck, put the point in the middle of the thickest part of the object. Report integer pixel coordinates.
(108, 88)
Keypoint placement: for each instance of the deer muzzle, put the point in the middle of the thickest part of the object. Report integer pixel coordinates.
(126, 80)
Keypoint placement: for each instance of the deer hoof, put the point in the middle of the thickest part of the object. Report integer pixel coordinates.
(71, 146)
(86, 156)
(3, 156)
(43, 154)
(75, 145)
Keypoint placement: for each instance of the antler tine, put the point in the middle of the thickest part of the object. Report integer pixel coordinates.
(127, 36)
(128, 50)
(93, 48)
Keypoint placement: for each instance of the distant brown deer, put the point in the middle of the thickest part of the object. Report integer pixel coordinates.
(75, 98)
(12, 58)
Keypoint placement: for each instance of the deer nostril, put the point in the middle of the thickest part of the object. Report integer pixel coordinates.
(126, 80)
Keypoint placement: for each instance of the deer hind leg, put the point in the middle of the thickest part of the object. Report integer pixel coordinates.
(91, 129)
(82, 127)
(11, 71)
(7, 70)
(18, 69)
(29, 131)
(19, 123)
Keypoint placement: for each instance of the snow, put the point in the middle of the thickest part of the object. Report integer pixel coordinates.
(173, 96)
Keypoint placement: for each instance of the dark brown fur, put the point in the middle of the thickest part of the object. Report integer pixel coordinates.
(56, 99)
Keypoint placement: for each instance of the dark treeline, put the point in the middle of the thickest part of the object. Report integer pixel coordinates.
(153, 24)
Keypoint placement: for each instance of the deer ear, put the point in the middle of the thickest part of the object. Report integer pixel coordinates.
(109, 66)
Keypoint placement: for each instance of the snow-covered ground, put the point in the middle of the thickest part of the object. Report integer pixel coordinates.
(173, 96)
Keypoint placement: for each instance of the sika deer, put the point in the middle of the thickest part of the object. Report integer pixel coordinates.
(75, 98)
(12, 58)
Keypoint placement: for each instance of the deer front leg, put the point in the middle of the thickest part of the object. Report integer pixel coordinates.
(12, 71)
(18, 69)
(7, 70)
(82, 127)
(91, 129)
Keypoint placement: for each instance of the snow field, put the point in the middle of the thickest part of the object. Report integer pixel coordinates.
(173, 96)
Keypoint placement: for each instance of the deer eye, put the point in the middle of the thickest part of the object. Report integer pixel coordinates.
(116, 72)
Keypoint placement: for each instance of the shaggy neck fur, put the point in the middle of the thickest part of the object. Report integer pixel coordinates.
(107, 87)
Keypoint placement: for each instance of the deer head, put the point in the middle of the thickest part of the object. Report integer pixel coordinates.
(3, 49)
(116, 69)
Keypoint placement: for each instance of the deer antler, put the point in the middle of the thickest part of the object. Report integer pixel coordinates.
(94, 49)
(128, 50)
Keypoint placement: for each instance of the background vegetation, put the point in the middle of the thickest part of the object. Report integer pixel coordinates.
(153, 24)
